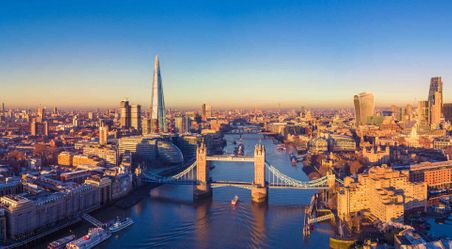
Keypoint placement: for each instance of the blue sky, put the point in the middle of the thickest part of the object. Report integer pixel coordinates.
(227, 53)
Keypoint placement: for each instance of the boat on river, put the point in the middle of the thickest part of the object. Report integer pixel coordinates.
(61, 243)
(235, 200)
(94, 237)
(120, 224)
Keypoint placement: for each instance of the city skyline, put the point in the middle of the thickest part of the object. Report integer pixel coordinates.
(320, 54)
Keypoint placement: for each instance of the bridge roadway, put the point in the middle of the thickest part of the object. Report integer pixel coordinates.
(248, 185)
(230, 158)
(217, 184)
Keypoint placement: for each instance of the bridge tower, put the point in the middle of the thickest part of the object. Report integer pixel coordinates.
(202, 189)
(259, 190)
(330, 179)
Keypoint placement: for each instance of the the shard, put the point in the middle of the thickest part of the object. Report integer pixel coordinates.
(158, 111)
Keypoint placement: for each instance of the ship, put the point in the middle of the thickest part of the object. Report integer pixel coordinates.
(239, 150)
(94, 237)
(118, 225)
(235, 200)
(61, 243)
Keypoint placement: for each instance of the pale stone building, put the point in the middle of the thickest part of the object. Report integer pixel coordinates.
(384, 192)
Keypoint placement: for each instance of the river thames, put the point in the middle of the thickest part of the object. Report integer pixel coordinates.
(169, 218)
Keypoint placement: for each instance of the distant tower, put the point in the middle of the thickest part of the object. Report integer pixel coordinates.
(75, 121)
(206, 111)
(103, 134)
(179, 124)
(435, 101)
(124, 114)
(422, 112)
(158, 111)
(136, 117)
(364, 107)
(41, 114)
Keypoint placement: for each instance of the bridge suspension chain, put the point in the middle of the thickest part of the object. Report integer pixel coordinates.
(185, 175)
(284, 179)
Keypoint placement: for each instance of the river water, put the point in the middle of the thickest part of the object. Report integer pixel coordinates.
(168, 217)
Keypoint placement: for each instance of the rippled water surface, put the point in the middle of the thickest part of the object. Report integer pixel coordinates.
(168, 217)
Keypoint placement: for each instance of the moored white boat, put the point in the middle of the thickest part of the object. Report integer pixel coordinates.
(94, 237)
(120, 224)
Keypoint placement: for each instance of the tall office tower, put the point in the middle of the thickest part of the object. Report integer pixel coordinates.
(422, 112)
(41, 114)
(90, 115)
(447, 111)
(124, 114)
(135, 113)
(158, 111)
(206, 111)
(103, 134)
(34, 127)
(55, 110)
(38, 128)
(364, 107)
(3, 107)
(75, 121)
(145, 126)
(435, 101)
(187, 123)
(179, 124)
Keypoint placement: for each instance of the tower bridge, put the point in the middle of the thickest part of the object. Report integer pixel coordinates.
(265, 176)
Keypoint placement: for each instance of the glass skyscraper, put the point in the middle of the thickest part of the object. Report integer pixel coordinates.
(435, 101)
(158, 111)
(364, 107)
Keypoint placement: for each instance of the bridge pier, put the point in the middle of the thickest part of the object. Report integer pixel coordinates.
(259, 194)
(259, 190)
(202, 189)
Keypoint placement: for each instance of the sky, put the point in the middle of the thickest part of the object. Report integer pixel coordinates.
(226, 53)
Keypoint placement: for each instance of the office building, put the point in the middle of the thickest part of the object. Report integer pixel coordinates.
(75, 121)
(364, 107)
(125, 114)
(206, 111)
(65, 158)
(39, 128)
(437, 175)
(103, 134)
(385, 192)
(135, 117)
(422, 112)
(158, 111)
(28, 214)
(108, 153)
(145, 126)
(179, 124)
(435, 101)
(447, 111)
